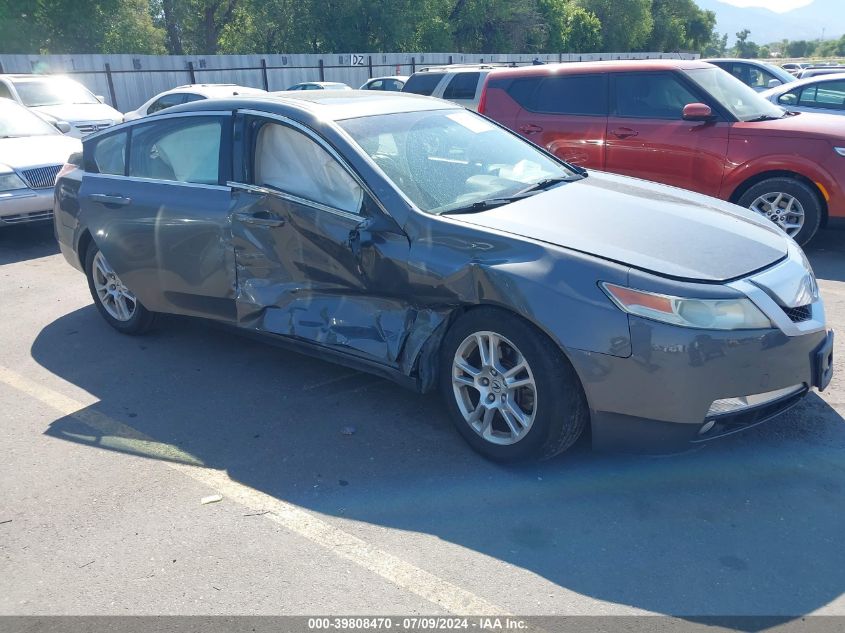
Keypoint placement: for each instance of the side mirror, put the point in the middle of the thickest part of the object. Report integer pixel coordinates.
(62, 126)
(774, 83)
(697, 112)
(100, 98)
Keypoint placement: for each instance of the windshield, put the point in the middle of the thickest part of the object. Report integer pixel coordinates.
(53, 91)
(16, 121)
(446, 159)
(743, 102)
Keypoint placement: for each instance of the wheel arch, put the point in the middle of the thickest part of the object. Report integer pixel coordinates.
(749, 182)
(83, 243)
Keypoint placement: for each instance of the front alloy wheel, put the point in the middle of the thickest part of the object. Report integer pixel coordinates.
(494, 388)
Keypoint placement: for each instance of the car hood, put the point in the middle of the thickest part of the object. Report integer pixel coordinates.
(660, 229)
(34, 151)
(73, 112)
(803, 125)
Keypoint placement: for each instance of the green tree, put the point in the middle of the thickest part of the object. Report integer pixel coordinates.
(572, 29)
(798, 48)
(745, 48)
(626, 26)
(717, 46)
(131, 30)
(498, 26)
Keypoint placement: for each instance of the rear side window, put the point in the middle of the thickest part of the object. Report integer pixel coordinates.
(423, 83)
(577, 94)
(108, 155)
(5, 93)
(182, 150)
(651, 96)
(189, 97)
(462, 86)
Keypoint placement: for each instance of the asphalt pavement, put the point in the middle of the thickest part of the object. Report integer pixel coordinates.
(344, 493)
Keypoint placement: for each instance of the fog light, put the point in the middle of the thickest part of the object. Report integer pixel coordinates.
(739, 403)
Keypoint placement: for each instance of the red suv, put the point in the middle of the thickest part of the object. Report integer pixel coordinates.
(688, 124)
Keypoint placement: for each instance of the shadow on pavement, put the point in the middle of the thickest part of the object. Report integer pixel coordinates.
(751, 525)
(22, 242)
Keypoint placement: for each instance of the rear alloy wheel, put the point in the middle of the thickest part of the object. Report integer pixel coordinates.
(790, 204)
(511, 393)
(116, 303)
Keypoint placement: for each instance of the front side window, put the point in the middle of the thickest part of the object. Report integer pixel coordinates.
(733, 95)
(462, 86)
(423, 83)
(829, 95)
(652, 96)
(446, 159)
(52, 91)
(378, 84)
(166, 101)
(291, 162)
(109, 155)
(182, 150)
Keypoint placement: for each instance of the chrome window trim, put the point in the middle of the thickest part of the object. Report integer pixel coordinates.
(156, 181)
(295, 199)
(314, 136)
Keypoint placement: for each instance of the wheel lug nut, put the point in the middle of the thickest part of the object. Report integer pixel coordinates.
(504, 397)
(491, 398)
(493, 372)
(485, 382)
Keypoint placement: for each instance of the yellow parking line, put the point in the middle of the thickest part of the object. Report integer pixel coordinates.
(442, 593)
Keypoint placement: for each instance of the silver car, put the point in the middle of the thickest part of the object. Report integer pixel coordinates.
(31, 154)
(824, 94)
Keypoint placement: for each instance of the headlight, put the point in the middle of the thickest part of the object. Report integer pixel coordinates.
(713, 314)
(839, 150)
(11, 181)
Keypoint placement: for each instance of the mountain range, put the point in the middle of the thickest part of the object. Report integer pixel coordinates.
(805, 23)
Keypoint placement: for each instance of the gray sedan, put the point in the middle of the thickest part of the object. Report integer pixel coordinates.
(31, 154)
(419, 241)
(824, 94)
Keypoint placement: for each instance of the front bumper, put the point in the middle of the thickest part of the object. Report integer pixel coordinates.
(658, 399)
(26, 205)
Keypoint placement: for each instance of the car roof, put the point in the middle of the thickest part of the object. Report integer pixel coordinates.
(214, 89)
(327, 105)
(603, 66)
(809, 80)
(399, 77)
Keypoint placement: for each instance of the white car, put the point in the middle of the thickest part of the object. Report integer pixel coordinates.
(188, 93)
(393, 83)
(459, 83)
(58, 99)
(32, 152)
(824, 94)
(319, 85)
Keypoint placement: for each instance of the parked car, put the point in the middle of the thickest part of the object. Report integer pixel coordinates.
(422, 242)
(31, 154)
(682, 123)
(816, 71)
(187, 94)
(759, 75)
(320, 85)
(393, 83)
(460, 83)
(824, 94)
(793, 68)
(57, 99)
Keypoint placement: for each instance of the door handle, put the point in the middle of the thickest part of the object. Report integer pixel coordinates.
(530, 128)
(110, 199)
(260, 218)
(624, 132)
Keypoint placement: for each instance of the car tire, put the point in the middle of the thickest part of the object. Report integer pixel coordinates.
(547, 391)
(135, 319)
(760, 197)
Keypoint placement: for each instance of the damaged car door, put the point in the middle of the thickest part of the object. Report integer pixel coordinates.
(312, 247)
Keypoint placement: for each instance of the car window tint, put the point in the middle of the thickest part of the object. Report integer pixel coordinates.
(110, 155)
(165, 102)
(576, 94)
(189, 97)
(651, 96)
(462, 86)
(423, 83)
(290, 161)
(830, 94)
(184, 150)
(393, 84)
(5, 93)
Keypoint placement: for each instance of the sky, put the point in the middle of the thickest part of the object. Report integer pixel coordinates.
(779, 6)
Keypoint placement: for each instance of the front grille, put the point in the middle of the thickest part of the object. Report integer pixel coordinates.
(26, 217)
(90, 128)
(41, 177)
(799, 314)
